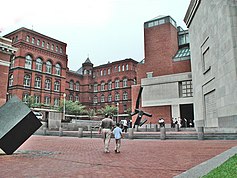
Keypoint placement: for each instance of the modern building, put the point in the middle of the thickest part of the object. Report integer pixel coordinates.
(213, 28)
(165, 73)
(6, 54)
(39, 69)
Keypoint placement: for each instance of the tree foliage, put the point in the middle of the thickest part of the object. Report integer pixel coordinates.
(111, 110)
(74, 108)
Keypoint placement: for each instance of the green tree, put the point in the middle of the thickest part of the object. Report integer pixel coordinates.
(111, 110)
(91, 113)
(74, 108)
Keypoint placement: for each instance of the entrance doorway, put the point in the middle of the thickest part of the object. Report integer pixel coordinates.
(186, 114)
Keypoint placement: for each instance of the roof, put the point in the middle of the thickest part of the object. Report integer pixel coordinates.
(182, 54)
(88, 60)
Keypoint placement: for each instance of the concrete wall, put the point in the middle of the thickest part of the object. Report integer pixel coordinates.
(213, 44)
(54, 121)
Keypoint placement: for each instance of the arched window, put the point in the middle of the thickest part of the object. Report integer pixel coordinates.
(110, 85)
(42, 44)
(122, 67)
(11, 80)
(37, 82)
(47, 46)
(38, 42)
(52, 47)
(134, 81)
(39, 64)
(47, 100)
(125, 95)
(95, 87)
(27, 38)
(102, 86)
(117, 83)
(47, 84)
(71, 84)
(126, 66)
(33, 40)
(71, 97)
(37, 99)
(48, 67)
(56, 102)
(56, 86)
(28, 62)
(95, 99)
(77, 86)
(125, 82)
(27, 80)
(109, 97)
(102, 99)
(25, 97)
(57, 69)
(117, 96)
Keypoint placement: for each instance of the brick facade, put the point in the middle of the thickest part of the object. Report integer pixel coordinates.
(161, 45)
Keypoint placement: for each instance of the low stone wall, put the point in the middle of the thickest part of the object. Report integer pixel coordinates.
(85, 124)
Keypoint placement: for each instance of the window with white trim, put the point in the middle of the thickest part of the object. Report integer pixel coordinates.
(28, 62)
(117, 83)
(37, 82)
(27, 80)
(125, 82)
(39, 64)
(11, 80)
(58, 69)
(47, 84)
(56, 86)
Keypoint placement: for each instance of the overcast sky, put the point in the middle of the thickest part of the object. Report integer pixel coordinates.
(104, 30)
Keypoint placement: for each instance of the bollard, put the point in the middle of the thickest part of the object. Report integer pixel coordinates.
(162, 133)
(91, 132)
(60, 131)
(146, 128)
(44, 130)
(176, 127)
(200, 131)
(130, 133)
(155, 128)
(80, 132)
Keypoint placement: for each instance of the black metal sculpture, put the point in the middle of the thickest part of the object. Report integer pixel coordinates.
(139, 112)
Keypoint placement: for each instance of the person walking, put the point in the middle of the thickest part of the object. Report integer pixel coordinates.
(117, 135)
(106, 129)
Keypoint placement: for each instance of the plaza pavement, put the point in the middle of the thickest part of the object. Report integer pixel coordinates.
(72, 157)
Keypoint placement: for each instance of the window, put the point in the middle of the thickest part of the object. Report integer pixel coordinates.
(25, 97)
(108, 71)
(27, 38)
(101, 73)
(186, 89)
(37, 82)
(61, 50)
(39, 64)
(110, 85)
(56, 48)
(95, 99)
(37, 99)
(119, 69)
(33, 40)
(125, 96)
(52, 47)
(47, 100)
(71, 97)
(134, 81)
(149, 74)
(12, 62)
(102, 86)
(38, 42)
(27, 80)
(122, 67)
(58, 69)
(28, 62)
(109, 98)
(71, 84)
(56, 86)
(95, 87)
(47, 46)
(105, 72)
(47, 84)
(125, 82)
(42, 44)
(11, 80)
(77, 86)
(48, 67)
(117, 83)
(77, 98)
(115, 68)
(102, 99)
(56, 102)
(117, 97)
(126, 66)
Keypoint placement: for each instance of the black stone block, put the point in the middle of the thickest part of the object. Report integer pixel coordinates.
(17, 124)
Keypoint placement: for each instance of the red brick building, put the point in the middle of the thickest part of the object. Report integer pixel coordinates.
(164, 70)
(39, 69)
(6, 54)
(107, 84)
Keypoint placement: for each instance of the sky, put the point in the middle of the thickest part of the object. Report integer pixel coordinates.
(103, 30)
